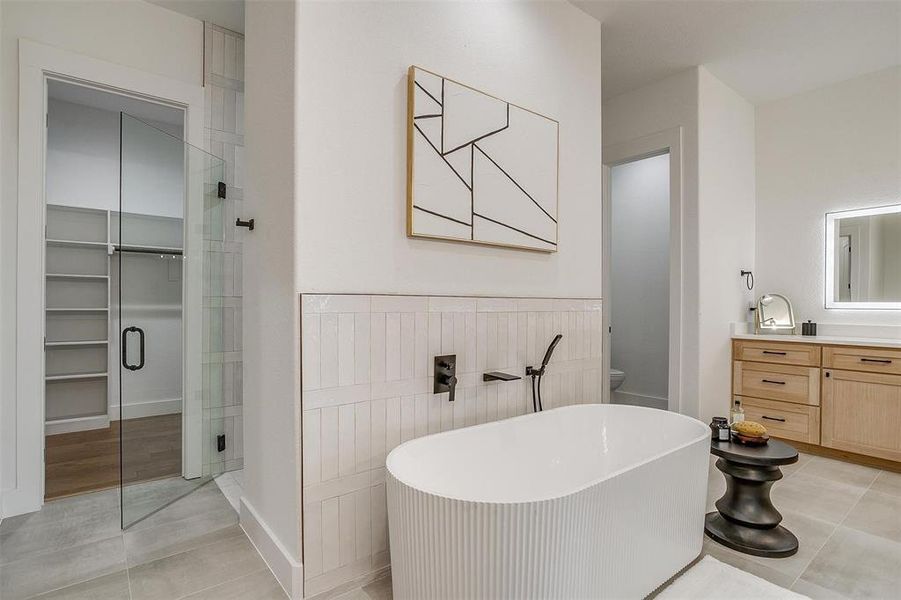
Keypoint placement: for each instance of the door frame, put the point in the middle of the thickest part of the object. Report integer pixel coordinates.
(667, 141)
(23, 489)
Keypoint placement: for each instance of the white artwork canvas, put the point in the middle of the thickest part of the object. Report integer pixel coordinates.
(480, 170)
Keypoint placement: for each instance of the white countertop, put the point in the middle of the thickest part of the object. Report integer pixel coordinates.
(829, 340)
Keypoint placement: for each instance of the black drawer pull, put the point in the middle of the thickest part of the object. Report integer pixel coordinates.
(881, 361)
(773, 381)
(775, 352)
(773, 419)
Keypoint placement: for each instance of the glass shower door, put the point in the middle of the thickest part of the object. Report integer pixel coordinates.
(162, 274)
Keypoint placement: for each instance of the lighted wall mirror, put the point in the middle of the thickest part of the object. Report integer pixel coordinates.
(863, 258)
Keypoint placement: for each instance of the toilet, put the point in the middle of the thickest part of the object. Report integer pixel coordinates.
(617, 378)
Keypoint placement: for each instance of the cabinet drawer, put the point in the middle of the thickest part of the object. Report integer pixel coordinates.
(784, 419)
(870, 360)
(862, 413)
(782, 353)
(776, 382)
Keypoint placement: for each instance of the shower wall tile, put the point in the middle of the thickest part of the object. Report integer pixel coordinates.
(367, 379)
(223, 283)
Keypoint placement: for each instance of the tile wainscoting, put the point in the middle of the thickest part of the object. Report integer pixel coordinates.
(367, 378)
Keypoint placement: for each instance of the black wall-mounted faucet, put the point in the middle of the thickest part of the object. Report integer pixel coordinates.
(446, 375)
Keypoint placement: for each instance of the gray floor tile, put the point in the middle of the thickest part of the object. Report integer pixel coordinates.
(744, 562)
(841, 472)
(153, 543)
(812, 535)
(818, 497)
(815, 592)
(888, 483)
(261, 585)
(877, 513)
(60, 524)
(177, 498)
(108, 587)
(195, 570)
(380, 589)
(55, 570)
(803, 459)
(857, 565)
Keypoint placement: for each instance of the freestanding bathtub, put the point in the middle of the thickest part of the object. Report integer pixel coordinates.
(586, 501)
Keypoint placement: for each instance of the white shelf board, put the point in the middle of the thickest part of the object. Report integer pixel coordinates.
(75, 276)
(76, 244)
(70, 310)
(75, 376)
(77, 343)
(56, 426)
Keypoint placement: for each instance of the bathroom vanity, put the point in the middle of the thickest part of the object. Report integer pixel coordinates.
(841, 395)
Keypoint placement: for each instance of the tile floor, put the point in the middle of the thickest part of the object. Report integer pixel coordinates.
(847, 518)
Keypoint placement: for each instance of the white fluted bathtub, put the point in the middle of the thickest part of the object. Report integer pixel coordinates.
(587, 501)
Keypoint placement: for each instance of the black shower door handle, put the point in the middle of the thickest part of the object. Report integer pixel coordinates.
(125, 333)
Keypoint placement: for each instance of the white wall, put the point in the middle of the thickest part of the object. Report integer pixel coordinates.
(638, 304)
(666, 104)
(351, 158)
(271, 331)
(831, 149)
(127, 32)
(83, 162)
(726, 217)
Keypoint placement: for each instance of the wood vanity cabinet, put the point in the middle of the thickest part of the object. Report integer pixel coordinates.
(862, 407)
(847, 398)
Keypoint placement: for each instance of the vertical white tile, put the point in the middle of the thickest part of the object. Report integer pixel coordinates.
(329, 360)
(329, 447)
(491, 342)
(421, 344)
(522, 336)
(460, 339)
(217, 65)
(312, 442)
(586, 334)
(362, 444)
(377, 347)
(502, 341)
(512, 340)
(491, 409)
(346, 440)
(239, 55)
(229, 58)
(482, 405)
(363, 523)
(596, 335)
(471, 343)
(346, 350)
(532, 357)
(407, 418)
(459, 410)
(421, 414)
(392, 424)
(311, 352)
(447, 413)
(565, 343)
(502, 408)
(435, 404)
(471, 414)
(434, 338)
(392, 346)
(407, 345)
(447, 333)
(312, 539)
(377, 433)
(330, 534)
(379, 502)
(347, 529)
(361, 348)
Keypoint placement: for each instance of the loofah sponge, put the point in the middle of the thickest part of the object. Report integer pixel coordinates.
(749, 429)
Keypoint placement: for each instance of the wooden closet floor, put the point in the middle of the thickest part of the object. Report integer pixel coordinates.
(87, 461)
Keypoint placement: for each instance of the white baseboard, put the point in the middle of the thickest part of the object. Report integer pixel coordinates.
(151, 408)
(621, 397)
(287, 570)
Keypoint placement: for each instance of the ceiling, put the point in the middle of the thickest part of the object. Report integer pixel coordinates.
(764, 50)
(141, 109)
(224, 13)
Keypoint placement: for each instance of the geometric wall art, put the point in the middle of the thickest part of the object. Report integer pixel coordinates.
(479, 169)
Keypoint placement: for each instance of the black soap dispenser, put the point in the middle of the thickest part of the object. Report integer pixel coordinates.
(809, 328)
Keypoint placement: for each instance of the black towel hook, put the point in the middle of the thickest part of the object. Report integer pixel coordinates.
(749, 279)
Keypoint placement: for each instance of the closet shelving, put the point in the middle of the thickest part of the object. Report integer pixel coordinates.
(77, 345)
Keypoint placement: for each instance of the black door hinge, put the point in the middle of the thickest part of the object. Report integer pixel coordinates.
(221, 190)
(220, 442)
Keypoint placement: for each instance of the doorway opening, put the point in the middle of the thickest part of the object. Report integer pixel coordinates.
(126, 275)
(639, 281)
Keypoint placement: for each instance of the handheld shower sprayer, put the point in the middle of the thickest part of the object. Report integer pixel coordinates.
(537, 373)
